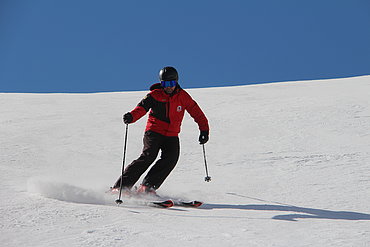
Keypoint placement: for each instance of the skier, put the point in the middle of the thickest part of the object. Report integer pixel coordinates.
(167, 103)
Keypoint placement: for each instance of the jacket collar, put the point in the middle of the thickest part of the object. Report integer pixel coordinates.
(159, 86)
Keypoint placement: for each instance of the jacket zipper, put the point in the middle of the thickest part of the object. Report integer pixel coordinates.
(168, 111)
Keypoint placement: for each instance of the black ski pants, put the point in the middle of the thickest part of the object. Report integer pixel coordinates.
(153, 142)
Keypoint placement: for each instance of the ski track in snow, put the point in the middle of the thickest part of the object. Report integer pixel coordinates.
(288, 161)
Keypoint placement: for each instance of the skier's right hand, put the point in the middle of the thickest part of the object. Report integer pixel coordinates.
(127, 118)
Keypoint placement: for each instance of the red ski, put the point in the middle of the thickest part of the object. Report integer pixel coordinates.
(191, 204)
(162, 204)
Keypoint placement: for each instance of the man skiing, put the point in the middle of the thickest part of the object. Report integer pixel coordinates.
(167, 103)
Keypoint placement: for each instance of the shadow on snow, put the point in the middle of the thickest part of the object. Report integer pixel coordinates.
(309, 213)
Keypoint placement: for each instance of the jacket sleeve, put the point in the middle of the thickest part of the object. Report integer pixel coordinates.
(142, 108)
(195, 112)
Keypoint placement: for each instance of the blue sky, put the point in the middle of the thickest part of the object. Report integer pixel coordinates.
(115, 45)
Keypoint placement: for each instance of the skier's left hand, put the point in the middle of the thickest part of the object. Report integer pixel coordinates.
(203, 137)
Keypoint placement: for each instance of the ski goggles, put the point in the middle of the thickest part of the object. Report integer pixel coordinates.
(168, 83)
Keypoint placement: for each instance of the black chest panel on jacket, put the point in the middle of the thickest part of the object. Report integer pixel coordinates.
(159, 110)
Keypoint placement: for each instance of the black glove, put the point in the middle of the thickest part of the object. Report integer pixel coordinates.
(127, 118)
(203, 137)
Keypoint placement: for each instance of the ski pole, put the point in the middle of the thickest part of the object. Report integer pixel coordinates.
(207, 178)
(119, 201)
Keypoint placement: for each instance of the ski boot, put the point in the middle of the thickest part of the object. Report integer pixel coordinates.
(145, 189)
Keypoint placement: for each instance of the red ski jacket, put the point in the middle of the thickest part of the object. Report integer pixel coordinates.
(167, 111)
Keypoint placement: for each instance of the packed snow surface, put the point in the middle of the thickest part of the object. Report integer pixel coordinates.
(289, 162)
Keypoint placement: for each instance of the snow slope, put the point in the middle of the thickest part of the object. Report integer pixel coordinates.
(289, 164)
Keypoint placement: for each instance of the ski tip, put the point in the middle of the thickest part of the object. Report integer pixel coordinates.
(197, 204)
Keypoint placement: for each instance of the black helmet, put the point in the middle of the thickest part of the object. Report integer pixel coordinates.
(168, 74)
